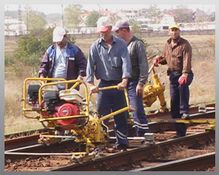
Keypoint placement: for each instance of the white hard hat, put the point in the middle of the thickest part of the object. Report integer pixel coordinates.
(58, 34)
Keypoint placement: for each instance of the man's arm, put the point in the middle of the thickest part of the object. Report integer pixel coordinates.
(91, 70)
(142, 62)
(81, 62)
(187, 57)
(143, 67)
(126, 68)
(44, 66)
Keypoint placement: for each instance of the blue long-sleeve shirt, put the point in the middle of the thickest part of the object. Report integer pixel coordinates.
(108, 63)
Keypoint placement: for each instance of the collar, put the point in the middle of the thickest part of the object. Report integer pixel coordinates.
(132, 39)
(101, 40)
(180, 40)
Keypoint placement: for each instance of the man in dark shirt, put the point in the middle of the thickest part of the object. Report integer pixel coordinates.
(138, 77)
(177, 55)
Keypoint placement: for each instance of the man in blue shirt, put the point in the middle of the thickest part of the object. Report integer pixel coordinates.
(109, 61)
(63, 59)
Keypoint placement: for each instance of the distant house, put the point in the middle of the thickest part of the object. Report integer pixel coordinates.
(166, 21)
(13, 27)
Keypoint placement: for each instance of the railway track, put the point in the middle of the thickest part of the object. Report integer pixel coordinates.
(197, 163)
(25, 154)
(135, 157)
(197, 110)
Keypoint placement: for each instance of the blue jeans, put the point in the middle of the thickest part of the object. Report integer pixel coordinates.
(179, 102)
(112, 100)
(136, 102)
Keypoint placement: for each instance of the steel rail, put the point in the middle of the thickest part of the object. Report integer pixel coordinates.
(115, 161)
(192, 109)
(197, 163)
(156, 126)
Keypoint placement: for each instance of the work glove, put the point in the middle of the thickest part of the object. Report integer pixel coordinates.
(183, 79)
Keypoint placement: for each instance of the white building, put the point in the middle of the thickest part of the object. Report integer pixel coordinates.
(14, 27)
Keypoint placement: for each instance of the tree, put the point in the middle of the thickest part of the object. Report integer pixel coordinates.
(182, 14)
(135, 26)
(201, 16)
(153, 12)
(35, 21)
(31, 47)
(212, 16)
(91, 20)
(72, 16)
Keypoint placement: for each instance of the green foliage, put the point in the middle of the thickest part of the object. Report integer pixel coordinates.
(153, 12)
(91, 20)
(72, 15)
(30, 49)
(9, 60)
(135, 26)
(34, 20)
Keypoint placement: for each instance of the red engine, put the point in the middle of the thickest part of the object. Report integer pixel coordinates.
(67, 109)
(54, 106)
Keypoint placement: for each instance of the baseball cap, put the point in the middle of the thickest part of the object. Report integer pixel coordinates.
(174, 26)
(120, 25)
(103, 24)
(58, 34)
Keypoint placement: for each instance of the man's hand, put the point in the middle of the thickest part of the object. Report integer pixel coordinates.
(140, 90)
(156, 61)
(94, 89)
(183, 79)
(80, 77)
(122, 85)
(41, 76)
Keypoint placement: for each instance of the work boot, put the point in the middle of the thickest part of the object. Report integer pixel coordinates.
(185, 116)
(117, 148)
(180, 129)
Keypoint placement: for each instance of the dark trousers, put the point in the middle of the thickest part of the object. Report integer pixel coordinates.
(112, 100)
(179, 95)
(136, 103)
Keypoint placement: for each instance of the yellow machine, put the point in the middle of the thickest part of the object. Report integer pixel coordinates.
(65, 113)
(154, 90)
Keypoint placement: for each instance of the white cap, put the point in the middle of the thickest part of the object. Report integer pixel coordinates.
(103, 23)
(58, 34)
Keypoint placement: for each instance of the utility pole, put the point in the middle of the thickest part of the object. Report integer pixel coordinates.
(20, 29)
(27, 16)
(62, 15)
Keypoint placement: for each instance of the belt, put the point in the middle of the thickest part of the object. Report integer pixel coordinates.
(110, 81)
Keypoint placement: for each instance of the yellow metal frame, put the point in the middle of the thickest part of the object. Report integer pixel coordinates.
(44, 84)
(127, 108)
(91, 131)
(154, 91)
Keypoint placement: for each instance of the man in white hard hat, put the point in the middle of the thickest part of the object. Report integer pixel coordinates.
(63, 59)
(109, 61)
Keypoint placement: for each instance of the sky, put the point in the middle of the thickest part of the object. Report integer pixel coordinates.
(56, 8)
